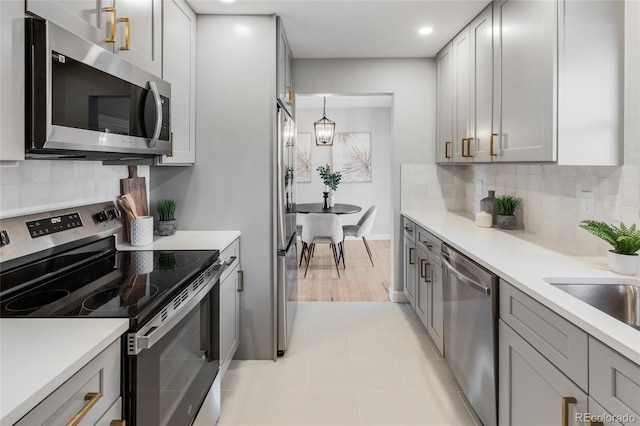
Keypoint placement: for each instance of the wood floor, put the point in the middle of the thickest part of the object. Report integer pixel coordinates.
(359, 282)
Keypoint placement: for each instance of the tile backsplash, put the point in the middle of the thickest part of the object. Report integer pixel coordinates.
(550, 195)
(39, 185)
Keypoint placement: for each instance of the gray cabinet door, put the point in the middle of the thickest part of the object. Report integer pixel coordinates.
(481, 87)
(284, 78)
(461, 108)
(435, 311)
(599, 416)
(144, 48)
(229, 318)
(525, 73)
(422, 287)
(444, 105)
(532, 391)
(179, 48)
(410, 271)
(614, 381)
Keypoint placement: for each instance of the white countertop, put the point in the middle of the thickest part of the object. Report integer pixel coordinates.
(524, 260)
(37, 355)
(188, 240)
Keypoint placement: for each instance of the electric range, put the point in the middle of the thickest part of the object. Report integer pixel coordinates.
(64, 264)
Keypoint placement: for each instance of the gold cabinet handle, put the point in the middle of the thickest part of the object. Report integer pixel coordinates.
(447, 144)
(111, 10)
(422, 262)
(408, 229)
(566, 400)
(463, 141)
(289, 95)
(91, 398)
(127, 33)
(411, 261)
(492, 153)
(118, 423)
(469, 147)
(595, 423)
(426, 273)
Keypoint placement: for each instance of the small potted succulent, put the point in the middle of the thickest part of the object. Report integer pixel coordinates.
(331, 181)
(623, 259)
(507, 205)
(167, 223)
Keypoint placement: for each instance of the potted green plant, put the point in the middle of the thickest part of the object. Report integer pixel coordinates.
(331, 181)
(507, 205)
(167, 223)
(624, 258)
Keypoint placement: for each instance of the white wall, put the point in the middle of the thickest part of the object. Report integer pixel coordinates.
(376, 121)
(33, 186)
(412, 83)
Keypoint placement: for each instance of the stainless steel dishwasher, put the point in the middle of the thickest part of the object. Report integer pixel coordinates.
(471, 330)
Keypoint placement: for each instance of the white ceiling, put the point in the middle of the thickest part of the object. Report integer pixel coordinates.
(359, 28)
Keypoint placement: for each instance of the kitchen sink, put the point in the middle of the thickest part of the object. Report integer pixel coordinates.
(619, 298)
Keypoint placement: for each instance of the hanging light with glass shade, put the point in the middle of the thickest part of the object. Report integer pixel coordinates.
(324, 128)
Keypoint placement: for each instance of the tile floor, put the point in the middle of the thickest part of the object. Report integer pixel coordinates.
(349, 363)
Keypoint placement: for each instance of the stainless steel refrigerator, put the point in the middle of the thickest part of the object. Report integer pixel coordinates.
(287, 253)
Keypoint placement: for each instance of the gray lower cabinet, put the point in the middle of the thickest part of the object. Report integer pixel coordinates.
(409, 260)
(531, 390)
(95, 388)
(230, 287)
(423, 279)
(598, 416)
(614, 382)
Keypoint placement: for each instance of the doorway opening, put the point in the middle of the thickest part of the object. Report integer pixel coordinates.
(362, 151)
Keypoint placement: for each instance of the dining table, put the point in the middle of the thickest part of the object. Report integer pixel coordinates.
(338, 208)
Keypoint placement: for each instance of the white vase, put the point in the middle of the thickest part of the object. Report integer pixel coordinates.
(625, 264)
(332, 199)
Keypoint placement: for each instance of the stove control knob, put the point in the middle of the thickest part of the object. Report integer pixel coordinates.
(113, 213)
(4, 238)
(101, 216)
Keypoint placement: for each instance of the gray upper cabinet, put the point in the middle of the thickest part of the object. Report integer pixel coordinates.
(534, 81)
(525, 78)
(480, 144)
(284, 77)
(179, 69)
(12, 80)
(461, 80)
(129, 28)
(444, 96)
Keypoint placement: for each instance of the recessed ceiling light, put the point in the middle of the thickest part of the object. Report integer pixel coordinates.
(425, 30)
(243, 29)
(227, 1)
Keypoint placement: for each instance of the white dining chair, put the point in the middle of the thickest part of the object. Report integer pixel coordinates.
(362, 229)
(322, 228)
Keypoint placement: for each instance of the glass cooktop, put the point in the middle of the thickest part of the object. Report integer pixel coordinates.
(94, 282)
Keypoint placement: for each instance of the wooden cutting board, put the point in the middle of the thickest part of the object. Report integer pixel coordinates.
(137, 187)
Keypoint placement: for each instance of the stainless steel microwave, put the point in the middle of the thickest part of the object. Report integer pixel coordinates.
(84, 102)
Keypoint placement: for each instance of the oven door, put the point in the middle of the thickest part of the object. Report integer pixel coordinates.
(177, 362)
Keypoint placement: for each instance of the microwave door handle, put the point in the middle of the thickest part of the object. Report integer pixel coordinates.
(156, 96)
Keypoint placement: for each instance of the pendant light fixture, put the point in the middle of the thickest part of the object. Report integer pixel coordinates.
(324, 128)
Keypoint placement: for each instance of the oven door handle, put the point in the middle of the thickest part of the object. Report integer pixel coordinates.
(150, 334)
(462, 277)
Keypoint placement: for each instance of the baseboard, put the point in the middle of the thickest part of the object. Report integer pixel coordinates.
(372, 237)
(397, 296)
